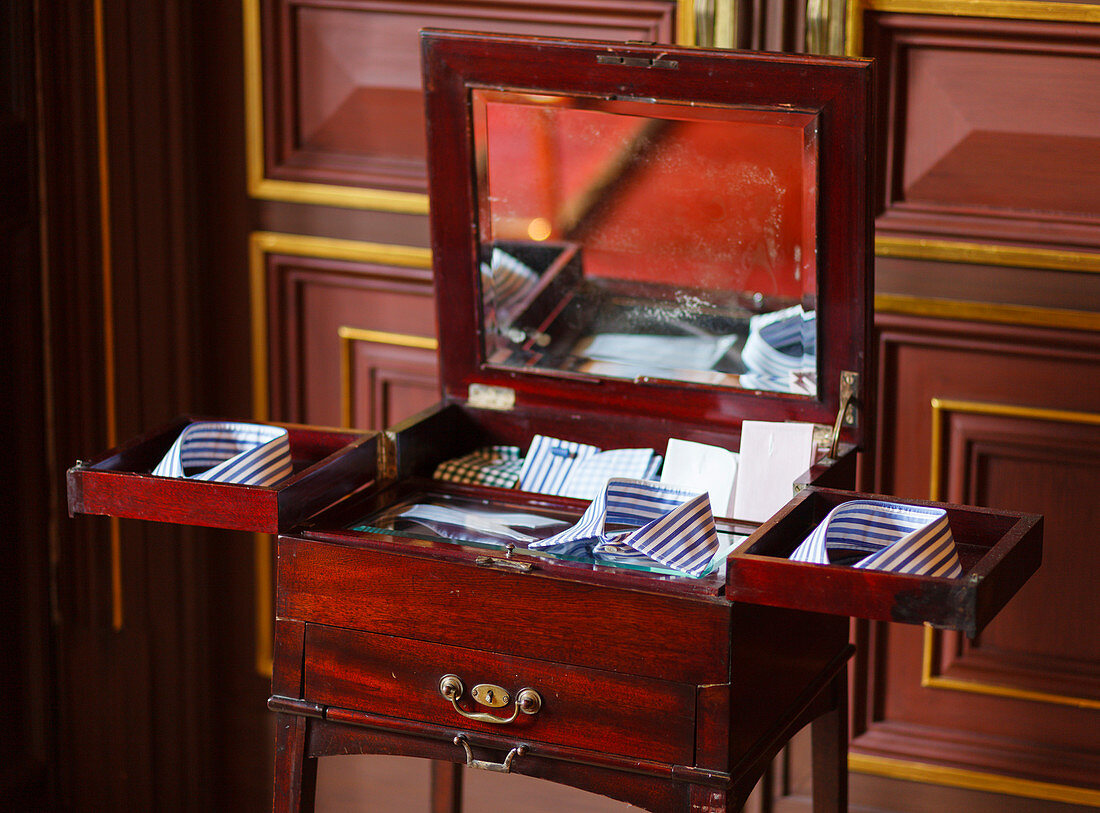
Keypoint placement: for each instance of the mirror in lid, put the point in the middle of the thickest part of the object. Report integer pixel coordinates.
(646, 240)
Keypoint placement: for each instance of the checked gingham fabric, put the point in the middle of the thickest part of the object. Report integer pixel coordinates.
(551, 466)
(488, 466)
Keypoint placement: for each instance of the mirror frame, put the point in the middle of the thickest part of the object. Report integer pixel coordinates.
(837, 91)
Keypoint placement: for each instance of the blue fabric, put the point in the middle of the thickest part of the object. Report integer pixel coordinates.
(884, 536)
(668, 525)
(509, 280)
(229, 452)
(549, 461)
(589, 475)
(569, 469)
(780, 352)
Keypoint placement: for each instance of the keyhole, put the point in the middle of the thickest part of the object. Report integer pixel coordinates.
(488, 695)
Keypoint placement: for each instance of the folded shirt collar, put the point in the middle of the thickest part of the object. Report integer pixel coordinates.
(229, 452)
(877, 535)
(637, 518)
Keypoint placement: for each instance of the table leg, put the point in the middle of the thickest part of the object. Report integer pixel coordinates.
(446, 787)
(295, 773)
(829, 742)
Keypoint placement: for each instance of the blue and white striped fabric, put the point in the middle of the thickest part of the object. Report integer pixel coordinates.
(875, 535)
(588, 476)
(549, 461)
(229, 452)
(781, 350)
(508, 279)
(668, 525)
(569, 469)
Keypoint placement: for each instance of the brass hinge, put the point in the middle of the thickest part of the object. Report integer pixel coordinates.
(848, 413)
(387, 456)
(850, 393)
(638, 62)
(486, 396)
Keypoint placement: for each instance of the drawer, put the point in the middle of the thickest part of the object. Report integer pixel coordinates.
(644, 718)
(460, 603)
(998, 552)
(328, 465)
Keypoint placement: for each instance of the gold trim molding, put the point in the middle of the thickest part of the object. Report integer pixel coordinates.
(349, 197)
(262, 551)
(928, 680)
(107, 271)
(971, 780)
(356, 334)
(1006, 9)
(692, 18)
(707, 23)
(941, 407)
(993, 255)
(330, 248)
(384, 200)
(685, 21)
(299, 245)
(987, 312)
(262, 243)
(987, 254)
(348, 336)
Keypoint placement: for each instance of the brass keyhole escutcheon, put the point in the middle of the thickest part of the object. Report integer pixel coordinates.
(491, 695)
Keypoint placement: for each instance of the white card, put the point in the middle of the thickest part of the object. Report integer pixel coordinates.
(701, 467)
(772, 456)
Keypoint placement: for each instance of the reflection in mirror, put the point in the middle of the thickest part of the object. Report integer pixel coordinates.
(646, 240)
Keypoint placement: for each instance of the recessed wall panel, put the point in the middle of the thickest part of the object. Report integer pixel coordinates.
(312, 300)
(989, 128)
(992, 415)
(342, 102)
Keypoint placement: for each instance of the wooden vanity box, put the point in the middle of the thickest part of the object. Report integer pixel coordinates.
(651, 191)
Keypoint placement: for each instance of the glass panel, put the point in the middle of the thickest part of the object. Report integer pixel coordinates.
(462, 519)
(648, 240)
(442, 517)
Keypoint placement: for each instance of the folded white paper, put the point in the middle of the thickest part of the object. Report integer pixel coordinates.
(772, 456)
(701, 467)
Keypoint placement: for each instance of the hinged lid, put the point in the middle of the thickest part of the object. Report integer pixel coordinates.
(648, 229)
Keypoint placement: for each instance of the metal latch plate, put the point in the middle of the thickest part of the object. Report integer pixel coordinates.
(485, 396)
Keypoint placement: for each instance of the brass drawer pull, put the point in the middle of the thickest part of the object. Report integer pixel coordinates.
(498, 767)
(527, 700)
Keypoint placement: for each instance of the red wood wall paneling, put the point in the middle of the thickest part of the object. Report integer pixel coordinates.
(342, 91)
(1019, 423)
(990, 128)
(310, 300)
(389, 382)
